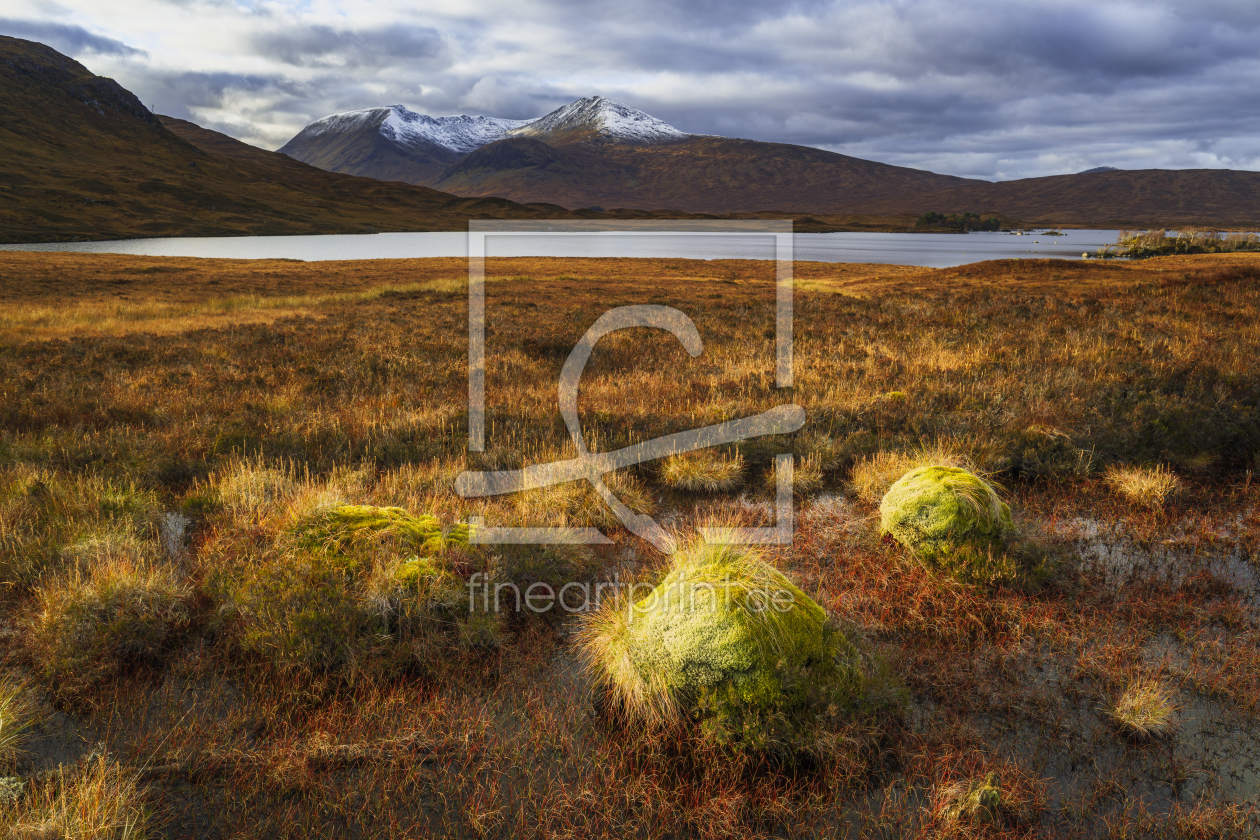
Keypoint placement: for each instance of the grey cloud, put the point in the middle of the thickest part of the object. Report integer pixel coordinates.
(325, 46)
(984, 88)
(71, 40)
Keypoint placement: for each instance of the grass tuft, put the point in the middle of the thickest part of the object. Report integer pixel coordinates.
(115, 611)
(1150, 487)
(17, 713)
(97, 801)
(706, 471)
(1145, 710)
(807, 475)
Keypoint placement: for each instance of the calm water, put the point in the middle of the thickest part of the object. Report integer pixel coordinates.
(924, 249)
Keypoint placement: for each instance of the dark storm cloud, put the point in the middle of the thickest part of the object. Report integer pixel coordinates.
(72, 40)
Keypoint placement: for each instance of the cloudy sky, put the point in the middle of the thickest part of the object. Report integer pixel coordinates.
(992, 89)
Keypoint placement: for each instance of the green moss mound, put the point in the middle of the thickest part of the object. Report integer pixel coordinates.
(726, 640)
(938, 511)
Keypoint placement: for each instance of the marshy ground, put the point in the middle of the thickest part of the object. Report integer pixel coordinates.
(187, 664)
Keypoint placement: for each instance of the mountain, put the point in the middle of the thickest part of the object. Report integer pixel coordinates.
(1098, 169)
(393, 143)
(599, 120)
(696, 175)
(82, 158)
(396, 144)
(599, 152)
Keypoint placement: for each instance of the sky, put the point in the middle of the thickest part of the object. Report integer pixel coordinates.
(993, 89)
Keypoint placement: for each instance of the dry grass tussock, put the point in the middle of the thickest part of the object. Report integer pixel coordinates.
(306, 618)
(1151, 487)
(115, 608)
(704, 471)
(17, 712)
(1145, 710)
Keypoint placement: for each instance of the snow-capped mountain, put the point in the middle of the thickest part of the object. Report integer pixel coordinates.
(394, 143)
(592, 118)
(459, 133)
(606, 119)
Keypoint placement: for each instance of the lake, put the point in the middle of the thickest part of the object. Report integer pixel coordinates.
(933, 250)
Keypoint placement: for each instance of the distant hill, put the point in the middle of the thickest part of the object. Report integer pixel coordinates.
(1116, 198)
(82, 158)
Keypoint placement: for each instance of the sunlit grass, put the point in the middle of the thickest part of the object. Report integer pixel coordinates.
(302, 660)
(97, 801)
(1151, 487)
(1145, 710)
(874, 474)
(704, 471)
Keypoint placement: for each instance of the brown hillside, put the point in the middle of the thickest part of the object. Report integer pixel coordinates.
(1143, 198)
(699, 175)
(82, 158)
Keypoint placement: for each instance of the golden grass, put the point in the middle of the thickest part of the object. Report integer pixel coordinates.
(1145, 710)
(17, 713)
(873, 475)
(605, 646)
(706, 471)
(807, 475)
(250, 427)
(1151, 487)
(118, 608)
(96, 801)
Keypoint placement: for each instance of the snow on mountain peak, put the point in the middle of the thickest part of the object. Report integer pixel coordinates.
(343, 122)
(460, 133)
(612, 119)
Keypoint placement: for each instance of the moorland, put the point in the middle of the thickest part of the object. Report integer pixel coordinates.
(181, 659)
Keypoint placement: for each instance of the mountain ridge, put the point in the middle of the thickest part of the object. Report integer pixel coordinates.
(597, 152)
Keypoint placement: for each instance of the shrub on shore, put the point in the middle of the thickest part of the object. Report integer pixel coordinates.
(1160, 243)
